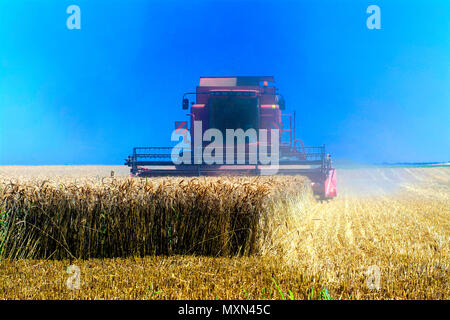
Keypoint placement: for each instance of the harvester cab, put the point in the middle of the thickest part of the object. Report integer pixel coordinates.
(249, 109)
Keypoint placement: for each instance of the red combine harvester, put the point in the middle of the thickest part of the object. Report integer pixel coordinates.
(237, 103)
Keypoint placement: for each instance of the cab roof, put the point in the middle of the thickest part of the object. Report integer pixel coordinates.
(235, 81)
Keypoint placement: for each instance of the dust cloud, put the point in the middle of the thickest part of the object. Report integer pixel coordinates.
(384, 181)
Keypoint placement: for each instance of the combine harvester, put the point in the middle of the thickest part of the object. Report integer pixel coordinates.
(237, 103)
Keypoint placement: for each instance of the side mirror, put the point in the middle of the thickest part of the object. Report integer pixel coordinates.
(185, 104)
(281, 103)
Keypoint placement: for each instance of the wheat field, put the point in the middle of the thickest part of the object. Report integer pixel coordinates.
(386, 236)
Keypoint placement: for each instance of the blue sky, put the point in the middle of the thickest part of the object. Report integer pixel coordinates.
(88, 96)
